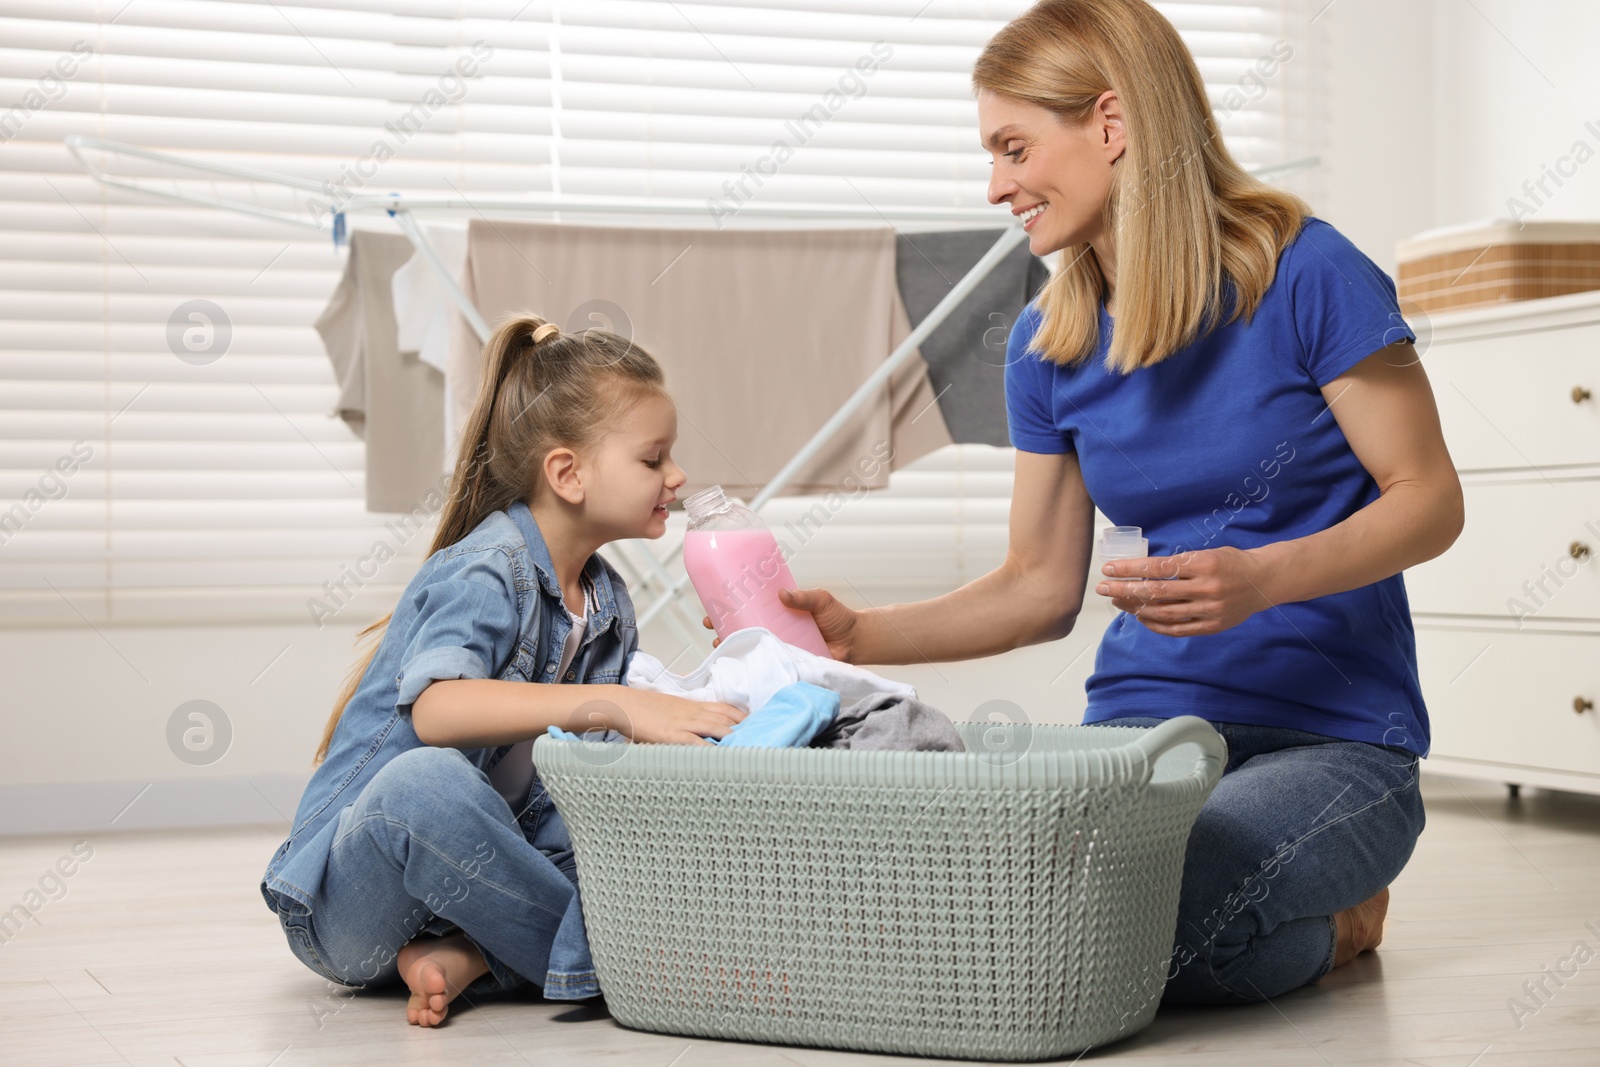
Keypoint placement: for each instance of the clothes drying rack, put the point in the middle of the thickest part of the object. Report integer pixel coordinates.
(403, 209)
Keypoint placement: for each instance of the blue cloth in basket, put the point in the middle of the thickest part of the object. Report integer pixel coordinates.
(796, 713)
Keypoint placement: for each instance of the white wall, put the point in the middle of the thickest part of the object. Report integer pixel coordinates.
(1517, 84)
(1378, 161)
(87, 713)
(1440, 112)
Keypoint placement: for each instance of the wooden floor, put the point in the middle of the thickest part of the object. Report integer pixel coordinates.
(162, 952)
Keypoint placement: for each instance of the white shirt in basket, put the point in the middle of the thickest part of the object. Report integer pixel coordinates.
(752, 664)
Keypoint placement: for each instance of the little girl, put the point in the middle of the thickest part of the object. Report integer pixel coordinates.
(425, 849)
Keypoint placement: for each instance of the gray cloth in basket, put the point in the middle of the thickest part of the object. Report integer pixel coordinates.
(893, 723)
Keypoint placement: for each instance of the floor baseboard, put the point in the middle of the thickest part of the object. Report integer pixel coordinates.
(164, 804)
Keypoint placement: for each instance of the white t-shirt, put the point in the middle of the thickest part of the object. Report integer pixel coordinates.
(513, 775)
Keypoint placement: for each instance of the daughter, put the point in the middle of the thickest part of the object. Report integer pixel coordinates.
(425, 849)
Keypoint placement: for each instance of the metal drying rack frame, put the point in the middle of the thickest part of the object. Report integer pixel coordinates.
(403, 208)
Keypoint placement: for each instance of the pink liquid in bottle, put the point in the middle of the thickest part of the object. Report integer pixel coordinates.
(737, 568)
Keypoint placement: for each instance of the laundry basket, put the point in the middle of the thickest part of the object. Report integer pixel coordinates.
(1015, 901)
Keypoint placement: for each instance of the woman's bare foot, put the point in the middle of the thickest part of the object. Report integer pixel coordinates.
(1360, 928)
(436, 970)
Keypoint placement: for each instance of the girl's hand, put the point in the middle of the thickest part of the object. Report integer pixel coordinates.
(643, 715)
(1193, 593)
(837, 622)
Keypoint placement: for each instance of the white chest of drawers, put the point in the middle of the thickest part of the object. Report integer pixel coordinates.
(1508, 620)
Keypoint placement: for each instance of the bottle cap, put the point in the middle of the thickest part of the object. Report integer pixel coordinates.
(1123, 542)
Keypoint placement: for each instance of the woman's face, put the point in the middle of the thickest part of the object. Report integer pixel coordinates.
(1039, 160)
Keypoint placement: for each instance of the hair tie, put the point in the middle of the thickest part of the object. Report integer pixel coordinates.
(549, 329)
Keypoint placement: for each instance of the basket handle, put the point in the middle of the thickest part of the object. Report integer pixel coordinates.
(1158, 740)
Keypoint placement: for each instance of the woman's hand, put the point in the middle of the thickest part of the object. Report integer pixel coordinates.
(1201, 592)
(837, 622)
(645, 715)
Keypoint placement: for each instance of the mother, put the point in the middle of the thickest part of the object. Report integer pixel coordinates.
(1257, 406)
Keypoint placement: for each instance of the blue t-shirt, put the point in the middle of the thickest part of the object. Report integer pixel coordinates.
(1229, 441)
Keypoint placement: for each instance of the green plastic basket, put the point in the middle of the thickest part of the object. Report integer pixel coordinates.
(1015, 901)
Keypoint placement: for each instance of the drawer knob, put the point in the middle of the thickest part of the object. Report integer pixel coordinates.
(1578, 550)
(1581, 705)
(1579, 394)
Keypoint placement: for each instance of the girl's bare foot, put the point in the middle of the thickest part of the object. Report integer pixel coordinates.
(1360, 928)
(436, 970)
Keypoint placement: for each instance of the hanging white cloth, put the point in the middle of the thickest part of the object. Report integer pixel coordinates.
(424, 311)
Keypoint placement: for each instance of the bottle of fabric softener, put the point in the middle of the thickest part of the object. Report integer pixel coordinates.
(736, 566)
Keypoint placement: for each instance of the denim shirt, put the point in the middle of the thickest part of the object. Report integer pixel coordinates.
(488, 606)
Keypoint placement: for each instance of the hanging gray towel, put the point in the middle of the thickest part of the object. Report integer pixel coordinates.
(392, 400)
(966, 355)
(890, 722)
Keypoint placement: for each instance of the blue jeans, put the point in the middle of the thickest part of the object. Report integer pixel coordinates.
(1300, 827)
(429, 847)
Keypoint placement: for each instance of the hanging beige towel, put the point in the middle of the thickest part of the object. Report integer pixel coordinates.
(762, 335)
(394, 401)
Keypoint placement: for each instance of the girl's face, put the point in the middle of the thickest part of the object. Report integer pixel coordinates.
(634, 476)
(1039, 160)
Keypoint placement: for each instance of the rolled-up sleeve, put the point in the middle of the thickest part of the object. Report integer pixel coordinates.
(462, 624)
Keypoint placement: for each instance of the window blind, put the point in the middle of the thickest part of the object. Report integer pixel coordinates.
(141, 482)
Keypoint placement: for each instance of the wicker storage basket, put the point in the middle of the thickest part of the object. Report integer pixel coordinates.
(1015, 901)
(1495, 262)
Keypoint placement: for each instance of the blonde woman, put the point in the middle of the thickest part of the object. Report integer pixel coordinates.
(1214, 365)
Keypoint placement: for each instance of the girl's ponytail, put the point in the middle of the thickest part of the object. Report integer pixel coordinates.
(542, 389)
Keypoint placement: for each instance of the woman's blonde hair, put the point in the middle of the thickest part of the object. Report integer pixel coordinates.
(542, 389)
(1185, 219)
